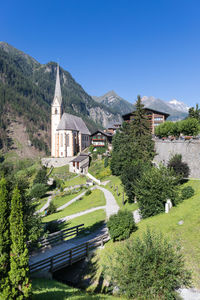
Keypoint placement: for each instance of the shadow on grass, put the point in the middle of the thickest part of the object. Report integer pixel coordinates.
(53, 290)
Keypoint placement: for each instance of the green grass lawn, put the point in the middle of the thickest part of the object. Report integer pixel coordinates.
(95, 199)
(76, 181)
(44, 289)
(62, 199)
(187, 235)
(62, 173)
(91, 221)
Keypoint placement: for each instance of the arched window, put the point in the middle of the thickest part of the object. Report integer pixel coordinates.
(56, 111)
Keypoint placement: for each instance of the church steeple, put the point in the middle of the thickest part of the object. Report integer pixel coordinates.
(57, 94)
(56, 114)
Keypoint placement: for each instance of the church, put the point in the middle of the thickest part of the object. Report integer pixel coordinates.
(69, 134)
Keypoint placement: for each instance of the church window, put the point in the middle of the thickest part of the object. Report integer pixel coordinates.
(56, 111)
(61, 140)
(67, 140)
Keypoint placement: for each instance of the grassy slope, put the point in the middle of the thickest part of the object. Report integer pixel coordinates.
(93, 221)
(95, 199)
(188, 234)
(53, 290)
(63, 199)
(76, 181)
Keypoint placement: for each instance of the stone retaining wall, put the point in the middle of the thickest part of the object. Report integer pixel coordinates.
(190, 151)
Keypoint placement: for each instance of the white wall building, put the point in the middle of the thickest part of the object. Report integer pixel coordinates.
(69, 134)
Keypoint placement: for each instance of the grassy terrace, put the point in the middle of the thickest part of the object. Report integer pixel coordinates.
(95, 199)
(187, 235)
(76, 181)
(91, 221)
(44, 289)
(63, 199)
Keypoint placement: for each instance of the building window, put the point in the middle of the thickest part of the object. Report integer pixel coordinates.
(73, 163)
(77, 164)
(61, 140)
(56, 111)
(67, 140)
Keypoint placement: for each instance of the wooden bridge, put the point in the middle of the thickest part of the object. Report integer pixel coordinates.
(68, 257)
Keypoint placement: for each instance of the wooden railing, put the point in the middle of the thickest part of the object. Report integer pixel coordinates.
(68, 257)
(60, 236)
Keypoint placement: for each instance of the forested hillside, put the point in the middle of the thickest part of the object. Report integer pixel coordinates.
(27, 90)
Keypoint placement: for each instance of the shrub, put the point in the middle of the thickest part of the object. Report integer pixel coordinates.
(51, 208)
(94, 156)
(147, 268)
(180, 168)
(52, 226)
(105, 161)
(187, 192)
(121, 225)
(38, 190)
(41, 176)
(88, 193)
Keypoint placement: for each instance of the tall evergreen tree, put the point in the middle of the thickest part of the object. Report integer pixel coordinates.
(133, 142)
(19, 258)
(4, 240)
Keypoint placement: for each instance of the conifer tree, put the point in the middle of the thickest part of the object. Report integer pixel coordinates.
(4, 240)
(19, 258)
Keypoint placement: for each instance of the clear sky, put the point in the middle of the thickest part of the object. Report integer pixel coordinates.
(146, 47)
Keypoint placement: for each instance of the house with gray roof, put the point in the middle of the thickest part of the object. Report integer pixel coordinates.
(69, 134)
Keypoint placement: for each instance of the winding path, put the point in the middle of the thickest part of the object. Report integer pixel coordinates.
(111, 207)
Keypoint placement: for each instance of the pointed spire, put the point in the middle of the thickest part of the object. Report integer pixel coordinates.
(58, 94)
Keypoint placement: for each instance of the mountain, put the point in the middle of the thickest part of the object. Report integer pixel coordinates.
(177, 110)
(115, 102)
(178, 105)
(26, 93)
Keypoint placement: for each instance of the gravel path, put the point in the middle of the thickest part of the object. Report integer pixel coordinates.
(45, 206)
(111, 207)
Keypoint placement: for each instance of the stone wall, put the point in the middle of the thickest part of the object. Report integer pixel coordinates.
(190, 151)
(56, 162)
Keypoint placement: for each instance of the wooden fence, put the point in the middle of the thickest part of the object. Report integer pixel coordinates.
(68, 257)
(60, 236)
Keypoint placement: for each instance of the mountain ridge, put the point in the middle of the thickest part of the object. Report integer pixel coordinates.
(27, 90)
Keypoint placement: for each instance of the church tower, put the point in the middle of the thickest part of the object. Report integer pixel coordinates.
(56, 114)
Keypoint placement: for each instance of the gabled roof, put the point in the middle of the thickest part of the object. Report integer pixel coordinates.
(108, 134)
(79, 158)
(150, 109)
(71, 122)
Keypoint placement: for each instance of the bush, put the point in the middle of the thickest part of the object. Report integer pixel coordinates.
(88, 193)
(51, 209)
(105, 161)
(180, 168)
(38, 190)
(41, 176)
(187, 192)
(52, 226)
(121, 225)
(147, 268)
(94, 156)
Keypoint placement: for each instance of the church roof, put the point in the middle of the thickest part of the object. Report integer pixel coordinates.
(71, 122)
(57, 93)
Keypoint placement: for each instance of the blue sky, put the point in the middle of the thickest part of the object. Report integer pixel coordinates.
(146, 47)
